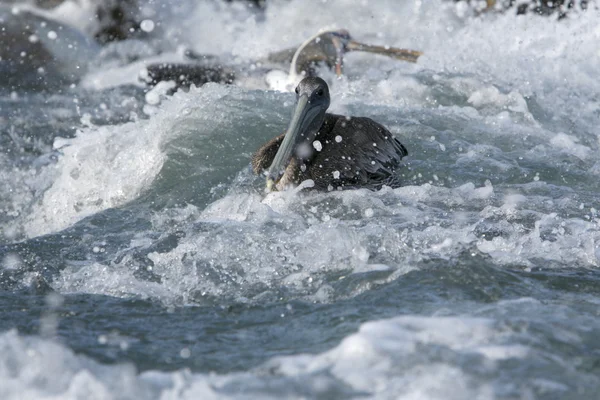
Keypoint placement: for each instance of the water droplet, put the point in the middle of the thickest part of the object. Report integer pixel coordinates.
(147, 25)
(185, 353)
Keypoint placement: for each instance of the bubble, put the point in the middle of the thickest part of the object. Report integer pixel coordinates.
(147, 25)
(11, 261)
(54, 300)
(185, 353)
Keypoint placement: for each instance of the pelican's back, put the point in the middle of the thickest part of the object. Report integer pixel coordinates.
(355, 152)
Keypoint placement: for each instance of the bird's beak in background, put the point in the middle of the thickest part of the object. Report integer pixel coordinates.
(399, 54)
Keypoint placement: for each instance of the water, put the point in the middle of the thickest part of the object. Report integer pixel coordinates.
(141, 259)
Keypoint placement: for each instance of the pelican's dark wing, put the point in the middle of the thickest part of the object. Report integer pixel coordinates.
(262, 159)
(356, 151)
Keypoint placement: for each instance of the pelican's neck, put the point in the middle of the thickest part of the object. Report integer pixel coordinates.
(293, 75)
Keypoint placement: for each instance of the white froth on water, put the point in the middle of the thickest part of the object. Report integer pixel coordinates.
(277, 246)
(405, 357)
(546, 59)
(294, 240)
(119, 72)
(102, 167)
(33, 368)
(287, 24)
(401, 344)
(108, 166)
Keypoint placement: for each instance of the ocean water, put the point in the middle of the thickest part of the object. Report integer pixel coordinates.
(141, 259)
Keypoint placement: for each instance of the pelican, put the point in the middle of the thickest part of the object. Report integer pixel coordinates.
(334, 151)
(329, 47)
(326, 47)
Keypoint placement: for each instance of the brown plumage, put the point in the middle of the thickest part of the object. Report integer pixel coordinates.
(340, 152)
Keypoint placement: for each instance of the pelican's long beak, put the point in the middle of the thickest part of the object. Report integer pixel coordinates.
(399, 54)
(304, 115)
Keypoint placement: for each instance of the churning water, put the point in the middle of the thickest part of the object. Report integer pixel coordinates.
(141, 259)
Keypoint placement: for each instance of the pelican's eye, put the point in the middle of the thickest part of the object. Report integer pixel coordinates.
(320, 92)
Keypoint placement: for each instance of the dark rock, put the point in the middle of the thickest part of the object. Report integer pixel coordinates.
(185, 75)
(540, 7)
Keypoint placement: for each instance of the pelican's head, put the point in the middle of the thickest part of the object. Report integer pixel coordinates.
(312, 101)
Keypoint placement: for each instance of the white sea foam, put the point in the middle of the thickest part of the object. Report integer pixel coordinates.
(405, 357)
(295, 240)
(557, 51)
(107, 166)
(117, 73)
(33, 368)
(102, 167)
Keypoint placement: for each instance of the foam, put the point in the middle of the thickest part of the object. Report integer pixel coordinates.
(558, 50)
(34, 368)
(114, 73)
(404, 357)
(301, 242)
(108, 166)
